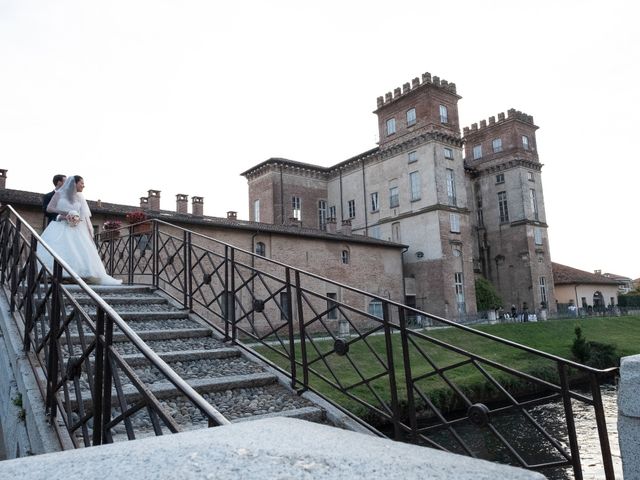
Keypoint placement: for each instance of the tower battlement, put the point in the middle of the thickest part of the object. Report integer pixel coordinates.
(427, 79)
(512, 113)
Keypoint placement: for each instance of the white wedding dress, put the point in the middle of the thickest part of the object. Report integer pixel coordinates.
(74, 243)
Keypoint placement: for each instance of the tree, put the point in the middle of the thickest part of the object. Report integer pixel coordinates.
(487, 297)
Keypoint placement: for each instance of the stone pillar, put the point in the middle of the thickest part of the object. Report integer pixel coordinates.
(197, 206)
(182, 203)
(154, 199)
(629, 415)
(3, 178)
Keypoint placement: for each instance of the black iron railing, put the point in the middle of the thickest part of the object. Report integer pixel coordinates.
(360, 351)
(87, 381)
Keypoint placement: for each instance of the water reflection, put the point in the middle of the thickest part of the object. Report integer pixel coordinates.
(534, 446)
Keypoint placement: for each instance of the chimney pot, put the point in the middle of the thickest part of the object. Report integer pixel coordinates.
(154, 199)
(182, 203)
(3, 179)
(197, 206)
(231, 215)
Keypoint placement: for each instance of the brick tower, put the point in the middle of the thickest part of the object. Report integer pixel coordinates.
(512, 247)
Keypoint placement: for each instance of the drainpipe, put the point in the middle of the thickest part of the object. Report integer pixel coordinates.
(364, 195)
(281, 198)
(341, 200)
(253, 261)
(404, 288)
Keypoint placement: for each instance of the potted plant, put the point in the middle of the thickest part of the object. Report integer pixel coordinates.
(136, 219)
(111, 230)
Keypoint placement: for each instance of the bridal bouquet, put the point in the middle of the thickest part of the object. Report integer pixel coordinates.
(73, 218)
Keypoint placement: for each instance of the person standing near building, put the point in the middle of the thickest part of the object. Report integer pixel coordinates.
(58, 181)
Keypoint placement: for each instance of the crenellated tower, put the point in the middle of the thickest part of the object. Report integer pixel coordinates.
(512, 246)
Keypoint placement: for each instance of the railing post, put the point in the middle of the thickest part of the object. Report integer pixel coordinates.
(190, 271)
(98, 379)
(302, 334)
(225, 297)
(4, 242)
(106, 384)
(54, 324)
(131, 245)
(31, 286)
(605, 448)
(110, 263)
(292, 343)
(16, 260)
(404, 338)
(186, 268)
(231, 299)
(393, 388)
(571, 426)
(155, 245)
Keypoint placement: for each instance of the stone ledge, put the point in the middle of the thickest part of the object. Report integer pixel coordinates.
(628, 398)
(276, 448)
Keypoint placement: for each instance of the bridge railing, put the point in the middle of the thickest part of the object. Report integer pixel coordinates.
(83, 375)
(366, 354)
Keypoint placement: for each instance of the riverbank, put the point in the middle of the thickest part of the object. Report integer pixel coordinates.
(428, 356)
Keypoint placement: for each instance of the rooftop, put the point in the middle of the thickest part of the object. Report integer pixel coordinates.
(563, 274)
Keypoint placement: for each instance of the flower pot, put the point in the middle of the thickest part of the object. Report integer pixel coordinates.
(142, 229)
(108, 235)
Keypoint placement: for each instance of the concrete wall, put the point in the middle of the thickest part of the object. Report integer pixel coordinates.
(568, 293)
(262, 449)
(629, 416)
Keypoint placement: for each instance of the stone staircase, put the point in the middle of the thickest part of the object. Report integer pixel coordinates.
(239, 387)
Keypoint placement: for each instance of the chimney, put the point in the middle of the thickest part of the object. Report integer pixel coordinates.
(231, 215)
(598, 272)
(154, 199)
(182, 203)
(331, 225)
(3, 179)
(346, 227)
(144, 203)
(197, 206)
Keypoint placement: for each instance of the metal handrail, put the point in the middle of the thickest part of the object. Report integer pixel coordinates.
(171, 264)
(103, 309)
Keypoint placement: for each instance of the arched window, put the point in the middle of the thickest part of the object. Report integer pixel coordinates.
(345, 256)
(261, 249)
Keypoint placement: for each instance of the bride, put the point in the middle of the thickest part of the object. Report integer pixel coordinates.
(71, 235)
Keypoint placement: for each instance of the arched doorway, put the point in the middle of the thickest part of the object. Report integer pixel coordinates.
(598, 301)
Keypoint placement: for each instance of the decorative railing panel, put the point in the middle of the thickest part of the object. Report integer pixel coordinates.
(87, 381)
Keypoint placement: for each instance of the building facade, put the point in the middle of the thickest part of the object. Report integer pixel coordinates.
(418, 188)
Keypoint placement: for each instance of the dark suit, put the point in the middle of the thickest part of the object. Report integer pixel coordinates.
(50, 217)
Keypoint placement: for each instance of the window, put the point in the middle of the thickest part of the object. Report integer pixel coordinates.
(295, 206)
(332, 212)
(444, 114)
(414, 183)
(261, 249)
(375, 308)
(256, 211)
(345, 257)
(284, 306)
(448, 153)
(391, 126)
(534, 202)
(351, 205)
(525, 142)
(375, 206)
(537, 235)
(412, 156)
(500, 178)
(497, 145)
(480, 214)
(459, 288)
(454, 222)
(504, 208)
(394, 200)
(395, 232)
(451, 187)
(322, 214)
(543, 290)
(332, 306)
(411, 117)
(477, 152)
(530, 177)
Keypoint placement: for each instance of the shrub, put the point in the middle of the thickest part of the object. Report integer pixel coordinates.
(136, 216)
(487, 297)
(112, 225)
(593, 354)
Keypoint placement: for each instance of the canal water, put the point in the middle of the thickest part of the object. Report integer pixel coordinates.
(534, 448)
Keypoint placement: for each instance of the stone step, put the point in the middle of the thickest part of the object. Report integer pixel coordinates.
(184, 356)
(165, 334)
(133, 299)
(310, 414)
(175, 345)
(111, 289)
(150, 315)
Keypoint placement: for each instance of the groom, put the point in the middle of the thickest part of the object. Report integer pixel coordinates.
(58, 181)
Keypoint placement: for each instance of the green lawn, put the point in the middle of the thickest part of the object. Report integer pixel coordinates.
(363, 371)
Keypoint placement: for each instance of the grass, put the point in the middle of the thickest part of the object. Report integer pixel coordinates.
(364, 369)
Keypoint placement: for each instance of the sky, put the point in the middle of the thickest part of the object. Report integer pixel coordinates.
(182, 96)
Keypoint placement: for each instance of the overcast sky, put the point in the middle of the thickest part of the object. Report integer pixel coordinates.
(183, 95)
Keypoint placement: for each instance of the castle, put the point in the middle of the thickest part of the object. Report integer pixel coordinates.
(465, 204)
